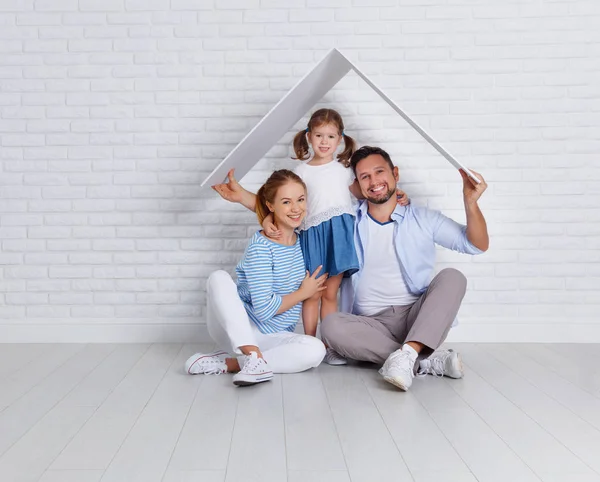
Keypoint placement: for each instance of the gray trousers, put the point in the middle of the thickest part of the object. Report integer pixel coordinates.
(427, 321)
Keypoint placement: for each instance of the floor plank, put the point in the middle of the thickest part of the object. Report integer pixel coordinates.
(112, 413)
(145, 453)
(312, 441)
(369, 449)
(47, 359)
(98, 441)
(576, 434)
(23, 414)
(258, 451)
(485, 453)
(205, 439)
(414, 431)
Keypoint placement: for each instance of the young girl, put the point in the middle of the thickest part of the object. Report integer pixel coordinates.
(327, 233)
(256, 319)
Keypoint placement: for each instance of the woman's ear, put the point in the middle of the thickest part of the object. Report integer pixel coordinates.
(270, 206)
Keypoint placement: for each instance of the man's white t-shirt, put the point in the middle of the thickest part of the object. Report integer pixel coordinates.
(381, 284)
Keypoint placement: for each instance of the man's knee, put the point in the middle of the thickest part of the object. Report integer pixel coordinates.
(453, 277)
(331, 327)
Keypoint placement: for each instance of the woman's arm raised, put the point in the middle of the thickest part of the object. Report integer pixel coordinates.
(232, 191)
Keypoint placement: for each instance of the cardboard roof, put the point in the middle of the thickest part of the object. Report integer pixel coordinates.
(293, 106)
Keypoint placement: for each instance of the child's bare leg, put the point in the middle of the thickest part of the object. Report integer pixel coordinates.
(310, 314)
(329, 302)
(329, 305)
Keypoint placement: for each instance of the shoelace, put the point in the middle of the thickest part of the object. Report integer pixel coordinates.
(398, 357)
(437, 365)
(333, 355)
(215, 367)
(252, 363)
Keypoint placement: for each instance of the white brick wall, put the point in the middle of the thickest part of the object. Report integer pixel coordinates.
(113, 112)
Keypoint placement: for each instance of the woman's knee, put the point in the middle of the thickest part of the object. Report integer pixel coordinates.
(315, 351)
(217, 278)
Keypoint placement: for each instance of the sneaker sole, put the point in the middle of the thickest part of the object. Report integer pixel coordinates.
(336, 363)
(217, 353)
(457, 366)
(246, 382)
(396, 383)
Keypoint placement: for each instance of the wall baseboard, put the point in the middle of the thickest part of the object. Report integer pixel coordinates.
(134, 331)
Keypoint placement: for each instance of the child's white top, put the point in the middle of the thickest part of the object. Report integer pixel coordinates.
(327, 192)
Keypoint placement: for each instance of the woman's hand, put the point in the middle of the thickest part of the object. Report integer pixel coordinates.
(231, 190)
(401, 197)
(312, 284)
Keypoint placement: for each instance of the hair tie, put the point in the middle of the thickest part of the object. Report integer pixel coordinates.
(306, 130)
(343, 133)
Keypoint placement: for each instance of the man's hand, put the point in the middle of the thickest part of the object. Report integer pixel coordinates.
(230, 191)
(471, 190)
(477, 232)
(270, 229)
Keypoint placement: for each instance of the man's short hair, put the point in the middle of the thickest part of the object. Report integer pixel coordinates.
(367, 151)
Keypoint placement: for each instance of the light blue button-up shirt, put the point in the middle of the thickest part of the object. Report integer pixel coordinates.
(416, 232)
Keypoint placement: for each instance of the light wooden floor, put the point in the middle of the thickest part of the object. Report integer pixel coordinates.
(88, 413)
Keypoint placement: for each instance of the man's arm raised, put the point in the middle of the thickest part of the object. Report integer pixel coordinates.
(477, 232)
(232, 191)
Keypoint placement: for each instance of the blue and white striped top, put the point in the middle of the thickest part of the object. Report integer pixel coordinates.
(267, 272)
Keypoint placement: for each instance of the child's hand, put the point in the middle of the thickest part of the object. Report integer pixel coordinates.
(270, 229)
(402, 198)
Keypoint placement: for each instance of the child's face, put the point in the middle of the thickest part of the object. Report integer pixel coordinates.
(289, 205)
(324, 140)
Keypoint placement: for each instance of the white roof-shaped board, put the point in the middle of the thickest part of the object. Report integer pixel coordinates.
(293, 106)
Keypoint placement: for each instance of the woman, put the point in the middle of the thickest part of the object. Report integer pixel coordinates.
(256, 318)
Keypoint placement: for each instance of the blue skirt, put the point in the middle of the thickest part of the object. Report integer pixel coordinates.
(331, 245)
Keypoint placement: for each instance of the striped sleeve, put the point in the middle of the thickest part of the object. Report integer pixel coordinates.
(258, 266)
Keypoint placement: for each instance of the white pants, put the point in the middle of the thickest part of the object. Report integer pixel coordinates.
(229, 326)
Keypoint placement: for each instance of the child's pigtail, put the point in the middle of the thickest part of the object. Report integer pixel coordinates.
(349, 148)
(301, 146)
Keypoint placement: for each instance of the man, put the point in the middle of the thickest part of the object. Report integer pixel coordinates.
(393, 312)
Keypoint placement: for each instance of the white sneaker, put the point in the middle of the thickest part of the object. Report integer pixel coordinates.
(398, 369)
(255, 370)
(332, 357)
(442, 363)
(207, 364)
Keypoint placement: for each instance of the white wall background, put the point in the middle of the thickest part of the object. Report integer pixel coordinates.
(112, 112)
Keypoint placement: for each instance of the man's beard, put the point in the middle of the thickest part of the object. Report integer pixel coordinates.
(384, 199)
